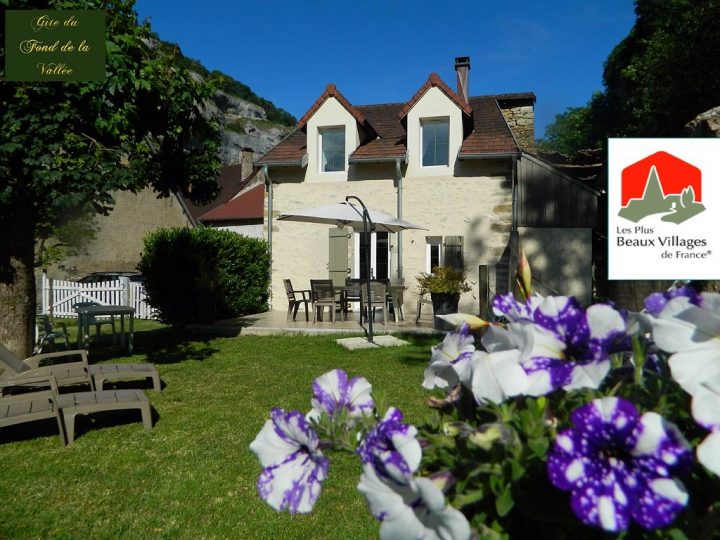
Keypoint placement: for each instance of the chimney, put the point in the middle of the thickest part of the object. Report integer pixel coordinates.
(462, 66)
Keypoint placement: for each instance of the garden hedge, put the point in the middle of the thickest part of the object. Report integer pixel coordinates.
(199, 274)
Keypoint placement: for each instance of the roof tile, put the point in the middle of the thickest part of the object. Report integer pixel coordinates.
(247, 205)
(435, 80)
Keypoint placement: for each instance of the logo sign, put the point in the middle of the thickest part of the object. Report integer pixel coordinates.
(663, 204)
(54, 45)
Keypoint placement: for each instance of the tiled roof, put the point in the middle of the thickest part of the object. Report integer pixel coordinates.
(384, 118)
(331, 91)
(248, 205)
(230, 182)
(380, 148)
(491, 134)
(289, 151)
(436, 81)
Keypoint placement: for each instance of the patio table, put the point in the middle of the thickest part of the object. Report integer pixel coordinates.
(86, 313)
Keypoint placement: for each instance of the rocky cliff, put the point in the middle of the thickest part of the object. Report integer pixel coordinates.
(250, 124)
(245, 128)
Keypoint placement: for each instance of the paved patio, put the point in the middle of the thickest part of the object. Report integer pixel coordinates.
(275, 322)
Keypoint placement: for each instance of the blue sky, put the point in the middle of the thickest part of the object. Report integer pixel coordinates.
(382, 51)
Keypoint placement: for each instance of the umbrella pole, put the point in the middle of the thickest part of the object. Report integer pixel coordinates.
(366, 220)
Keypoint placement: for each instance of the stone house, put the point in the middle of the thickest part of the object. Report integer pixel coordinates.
(460, 166)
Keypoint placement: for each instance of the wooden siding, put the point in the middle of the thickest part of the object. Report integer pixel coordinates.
(548, 198)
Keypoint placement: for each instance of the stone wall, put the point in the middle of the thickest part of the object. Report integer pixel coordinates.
(522, 122)
(119, 236)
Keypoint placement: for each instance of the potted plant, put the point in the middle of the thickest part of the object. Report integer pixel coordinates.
(444, 285)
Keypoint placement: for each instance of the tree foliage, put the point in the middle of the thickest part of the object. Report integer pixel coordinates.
(662, 75)
(68, 146)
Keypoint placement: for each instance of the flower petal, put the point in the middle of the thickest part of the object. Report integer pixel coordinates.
(497, 338)
(282, 435)
(659, 503)
(691, 368)
(601, 505)
(497, 376)
(706, 407)
(294, 484)
(606, 420)
(588, 375)
(708, 452)
(604, 322)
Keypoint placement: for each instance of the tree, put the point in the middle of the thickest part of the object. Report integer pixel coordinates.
(578, 128)
(662, 75)
(665, 72)
(68, 146)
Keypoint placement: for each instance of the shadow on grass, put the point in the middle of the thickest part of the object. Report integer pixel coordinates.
(160, 345)
(420, 355)
(30, 430)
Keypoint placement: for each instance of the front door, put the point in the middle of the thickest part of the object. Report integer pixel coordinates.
(379, 255)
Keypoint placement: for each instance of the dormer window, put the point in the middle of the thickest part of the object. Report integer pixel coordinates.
(435, 138)
(332, 144)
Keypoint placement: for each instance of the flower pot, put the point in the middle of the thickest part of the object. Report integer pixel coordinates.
(443, 304)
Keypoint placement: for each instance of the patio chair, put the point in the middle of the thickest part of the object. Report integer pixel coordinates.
(98, 322)
(377, 299)
(294, 302)
(323, 295)
(397, 297)
(48, 334)
(353, 295)
(49, 403)
(70, 372)
(422, 299)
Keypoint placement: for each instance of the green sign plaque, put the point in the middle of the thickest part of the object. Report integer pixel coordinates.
(61, 45)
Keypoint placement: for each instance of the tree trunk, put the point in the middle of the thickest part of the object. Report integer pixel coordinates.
(17, 283)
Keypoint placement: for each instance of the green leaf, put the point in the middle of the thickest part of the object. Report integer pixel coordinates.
(504, 503)
(539, 446)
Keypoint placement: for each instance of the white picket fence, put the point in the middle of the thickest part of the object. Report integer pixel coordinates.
(59, 296)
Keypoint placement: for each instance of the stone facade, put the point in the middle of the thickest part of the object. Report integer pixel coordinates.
(522, 123)
(475, 207)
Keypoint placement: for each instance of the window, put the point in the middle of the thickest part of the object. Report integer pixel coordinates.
(435, 135)
(333, 149)
(433, 253)
(444, 253)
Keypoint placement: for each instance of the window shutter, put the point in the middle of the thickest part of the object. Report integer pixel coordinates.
(453, 254)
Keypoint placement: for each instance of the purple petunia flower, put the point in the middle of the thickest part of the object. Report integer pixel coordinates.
(294, 468)
(333, 391)
(391, 448)
(562, 345)
(657, 301)
(619, 466)
(415, 509)
(450, 361)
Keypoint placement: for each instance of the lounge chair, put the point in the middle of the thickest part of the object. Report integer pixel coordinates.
(13, 368)
(27, 407)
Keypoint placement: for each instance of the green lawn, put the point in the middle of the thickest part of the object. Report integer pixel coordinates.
(193, 475)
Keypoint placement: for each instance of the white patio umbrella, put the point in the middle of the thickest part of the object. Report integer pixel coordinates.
(360, 219)
(346, 214)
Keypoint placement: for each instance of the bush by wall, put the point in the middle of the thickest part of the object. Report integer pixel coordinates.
(195, 275)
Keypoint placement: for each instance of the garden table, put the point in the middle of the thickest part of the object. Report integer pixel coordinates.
(86, 313)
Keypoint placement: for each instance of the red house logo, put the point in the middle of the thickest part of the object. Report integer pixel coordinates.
(661, 184)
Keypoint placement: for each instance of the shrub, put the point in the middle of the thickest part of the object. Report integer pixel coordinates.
(444, 279)
(193, 274)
